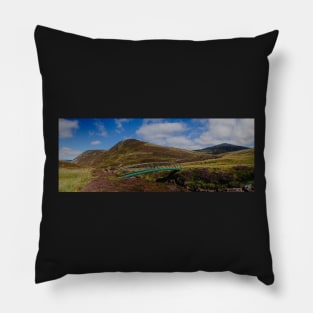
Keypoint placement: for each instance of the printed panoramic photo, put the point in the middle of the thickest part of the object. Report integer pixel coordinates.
(156, 155)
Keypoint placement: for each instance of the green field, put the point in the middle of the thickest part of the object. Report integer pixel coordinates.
(133, 151)
(73, 179)
(224, 162)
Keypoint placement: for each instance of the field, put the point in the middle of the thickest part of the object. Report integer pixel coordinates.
(225, 161)
(73, 179)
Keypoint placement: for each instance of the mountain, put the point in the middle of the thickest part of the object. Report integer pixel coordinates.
(222, 148)
(133, 151)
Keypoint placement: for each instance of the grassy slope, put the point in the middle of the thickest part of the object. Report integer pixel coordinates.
(225, 161)
(73, 179)
(67, 164)
(222, 148)
(133, 151)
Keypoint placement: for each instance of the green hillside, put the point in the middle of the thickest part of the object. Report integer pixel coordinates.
(132, 151)
(225, 160)
(222, 148)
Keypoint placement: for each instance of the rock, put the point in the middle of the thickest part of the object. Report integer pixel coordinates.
(248, 188)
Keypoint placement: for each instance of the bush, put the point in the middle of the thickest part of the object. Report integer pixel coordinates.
(205, 179)
(244, 174)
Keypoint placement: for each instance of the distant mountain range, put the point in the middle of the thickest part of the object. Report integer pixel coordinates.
(222, 148)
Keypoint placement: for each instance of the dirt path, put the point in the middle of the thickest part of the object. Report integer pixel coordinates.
(108, 182)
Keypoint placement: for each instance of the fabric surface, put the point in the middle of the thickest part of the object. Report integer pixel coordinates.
(182, 96)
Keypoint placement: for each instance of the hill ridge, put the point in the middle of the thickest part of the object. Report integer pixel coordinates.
(222, 148)
(131, 151)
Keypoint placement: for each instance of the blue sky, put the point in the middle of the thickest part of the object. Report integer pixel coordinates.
(77, 135)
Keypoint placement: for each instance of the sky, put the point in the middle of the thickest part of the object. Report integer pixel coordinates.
(77, 135)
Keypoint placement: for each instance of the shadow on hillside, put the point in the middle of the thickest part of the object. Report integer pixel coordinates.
(166, 178)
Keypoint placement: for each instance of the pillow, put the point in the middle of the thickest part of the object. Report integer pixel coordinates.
(154, 155)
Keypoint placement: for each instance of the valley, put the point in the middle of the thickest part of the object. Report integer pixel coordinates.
(155, 168)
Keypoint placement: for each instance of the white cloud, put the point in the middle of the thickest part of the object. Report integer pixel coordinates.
(234, 131)
(66, 153)
(119, 123)
(166, 133)
(101, 131)
(202, 133)
(159, 131)
(182, 142)
(199, 120)
(95, 142)
(67, 128)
